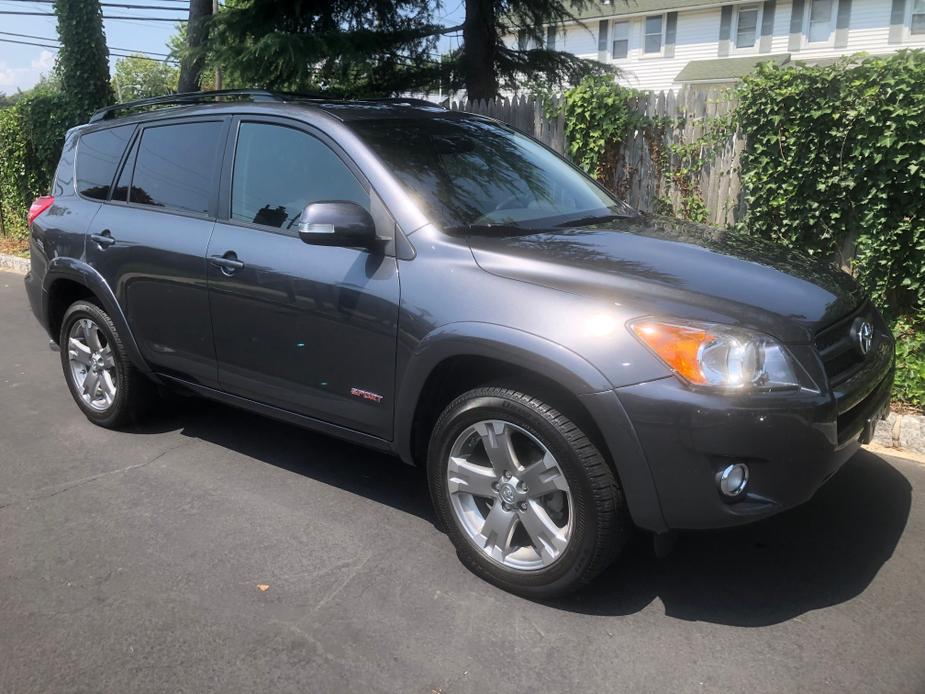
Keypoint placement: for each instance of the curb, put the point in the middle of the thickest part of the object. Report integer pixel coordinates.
(902, 431)
(13, 263)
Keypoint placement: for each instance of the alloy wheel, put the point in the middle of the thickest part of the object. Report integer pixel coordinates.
(93, 366)
(509, 495)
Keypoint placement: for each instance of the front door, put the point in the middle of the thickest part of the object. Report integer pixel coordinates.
(309, 329)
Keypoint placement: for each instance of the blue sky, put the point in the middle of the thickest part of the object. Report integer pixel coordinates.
(22, 66)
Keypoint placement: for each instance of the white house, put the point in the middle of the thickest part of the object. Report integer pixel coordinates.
(663, 44)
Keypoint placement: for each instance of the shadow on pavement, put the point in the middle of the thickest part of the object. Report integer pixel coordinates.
(820, 554)
(816, 555)
(377, 476)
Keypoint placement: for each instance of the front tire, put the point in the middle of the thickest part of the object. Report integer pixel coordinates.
(528, 501)
(106, 386)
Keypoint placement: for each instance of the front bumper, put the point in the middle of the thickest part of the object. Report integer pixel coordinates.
(791, 442)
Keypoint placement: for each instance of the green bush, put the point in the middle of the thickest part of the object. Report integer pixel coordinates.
(31, 136)
(835, 165)
(909, 387)
(18, 177)
(599, 114)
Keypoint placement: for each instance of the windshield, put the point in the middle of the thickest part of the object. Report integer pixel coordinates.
(468, 173)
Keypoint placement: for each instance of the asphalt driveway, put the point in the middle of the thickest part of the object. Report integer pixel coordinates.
(130, 562)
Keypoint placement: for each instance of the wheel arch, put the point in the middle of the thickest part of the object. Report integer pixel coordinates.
(460, 356)
(68, 280)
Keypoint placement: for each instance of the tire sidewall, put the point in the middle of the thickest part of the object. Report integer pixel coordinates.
(569, 567)
(78, 311)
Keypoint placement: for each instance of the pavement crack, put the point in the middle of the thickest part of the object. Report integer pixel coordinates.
(68, 486)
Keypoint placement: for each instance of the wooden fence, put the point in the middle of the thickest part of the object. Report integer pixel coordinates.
(642, 176)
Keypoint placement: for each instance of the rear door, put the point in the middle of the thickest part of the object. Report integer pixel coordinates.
(310, 329)
(150, 237)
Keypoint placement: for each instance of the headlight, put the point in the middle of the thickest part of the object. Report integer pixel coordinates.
(718, 356)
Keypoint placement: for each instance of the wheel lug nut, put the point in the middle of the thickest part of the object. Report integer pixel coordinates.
(506, 507)
(507, 474)
(523, 507)
(494, 485)
(522, 487)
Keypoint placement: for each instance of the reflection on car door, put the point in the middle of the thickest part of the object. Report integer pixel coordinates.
(310, 329)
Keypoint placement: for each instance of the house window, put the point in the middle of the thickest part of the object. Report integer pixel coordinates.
(820, 20)
(621, 40)
(652, 39)
(917, 21)
(551, 38)
(522, 40)
(602, 35)
(746, 26)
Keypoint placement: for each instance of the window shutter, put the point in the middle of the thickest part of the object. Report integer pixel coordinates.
(602, 30)
(796, 25)
(671, 32)
(897, 21)
(767, 26)
(725, 29)
(842, 21)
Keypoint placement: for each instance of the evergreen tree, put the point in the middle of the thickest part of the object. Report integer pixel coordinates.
(383, 47)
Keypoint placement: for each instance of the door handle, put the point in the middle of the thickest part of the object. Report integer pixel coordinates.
(228, 262)
(104, 239)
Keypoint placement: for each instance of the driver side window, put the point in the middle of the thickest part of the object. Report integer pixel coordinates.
(279, 170)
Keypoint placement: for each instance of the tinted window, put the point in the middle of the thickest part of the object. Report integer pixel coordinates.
(64, 174)
(175, 166)
(279, 170)
(467, 171)
(120, 192)
(98, 155)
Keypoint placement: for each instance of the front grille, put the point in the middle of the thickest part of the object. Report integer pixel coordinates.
(840, 356)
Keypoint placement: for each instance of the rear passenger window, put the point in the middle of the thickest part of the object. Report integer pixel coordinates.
(279, 170)
(98, 155)
(176, 166)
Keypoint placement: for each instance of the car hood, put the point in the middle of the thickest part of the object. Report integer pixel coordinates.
(663, 266)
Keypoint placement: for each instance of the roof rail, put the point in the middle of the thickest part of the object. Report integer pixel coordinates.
(253, 94)
(411, 101)
(185, 98)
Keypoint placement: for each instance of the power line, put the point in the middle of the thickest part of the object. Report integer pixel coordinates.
(117, 55)
(112, 48)
(52, 14)
(111, 4)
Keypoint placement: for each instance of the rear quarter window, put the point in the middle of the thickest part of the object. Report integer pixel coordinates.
(63, 183)
(98, 156)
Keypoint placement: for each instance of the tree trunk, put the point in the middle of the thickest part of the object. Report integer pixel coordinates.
(478, 59)
(192, 63)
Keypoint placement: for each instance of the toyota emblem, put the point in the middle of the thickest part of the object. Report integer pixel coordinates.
(863, 335)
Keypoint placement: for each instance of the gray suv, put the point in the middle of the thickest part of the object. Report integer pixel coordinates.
(440, 286)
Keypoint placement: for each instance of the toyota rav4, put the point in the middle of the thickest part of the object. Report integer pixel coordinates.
(440, 286)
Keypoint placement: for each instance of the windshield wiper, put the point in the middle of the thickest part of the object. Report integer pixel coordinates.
(588, 221)
(489, 229)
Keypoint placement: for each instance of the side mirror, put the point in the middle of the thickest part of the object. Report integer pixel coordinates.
(336, 223)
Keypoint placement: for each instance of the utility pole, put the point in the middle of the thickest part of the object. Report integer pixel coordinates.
(218, 69)
(191, 66)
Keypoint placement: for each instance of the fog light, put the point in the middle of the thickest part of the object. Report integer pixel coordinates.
(733, 479)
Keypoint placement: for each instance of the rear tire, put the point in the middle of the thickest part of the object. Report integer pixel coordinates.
(104, 383)
(528, 501)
